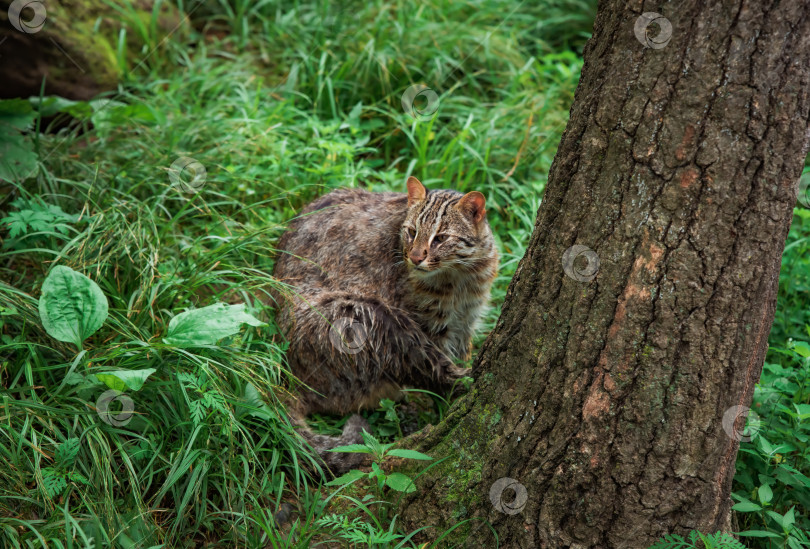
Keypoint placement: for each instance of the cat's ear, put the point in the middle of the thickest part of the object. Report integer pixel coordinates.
(416, 191)
(473, 204)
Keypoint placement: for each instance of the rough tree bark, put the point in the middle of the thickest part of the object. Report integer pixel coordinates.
(605, 398)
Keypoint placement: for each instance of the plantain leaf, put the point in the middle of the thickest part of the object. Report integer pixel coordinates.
(208, 325)
(121, 380)
(72, 307)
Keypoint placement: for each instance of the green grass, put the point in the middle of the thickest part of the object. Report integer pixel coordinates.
(280, 102)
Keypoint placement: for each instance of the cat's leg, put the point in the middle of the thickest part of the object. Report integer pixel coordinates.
(349, 349)
(337, 462)
(444, 376)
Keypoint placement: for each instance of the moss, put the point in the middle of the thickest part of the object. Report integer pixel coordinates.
(462, 448)
(96, 55)
(77, 47)
(460, 513)
(463, 471)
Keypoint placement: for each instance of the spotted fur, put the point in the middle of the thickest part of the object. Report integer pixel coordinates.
(388, 288)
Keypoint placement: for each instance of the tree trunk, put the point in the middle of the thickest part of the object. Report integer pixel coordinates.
(606, 408)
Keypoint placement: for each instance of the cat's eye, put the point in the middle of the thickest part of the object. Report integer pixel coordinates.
(439, 238)
(411, 232)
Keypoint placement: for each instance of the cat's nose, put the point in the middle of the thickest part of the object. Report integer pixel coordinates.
(417, 256)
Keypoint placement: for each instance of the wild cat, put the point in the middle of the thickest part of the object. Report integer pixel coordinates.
(388, 289)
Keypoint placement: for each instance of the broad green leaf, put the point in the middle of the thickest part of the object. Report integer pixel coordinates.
(376, 472)
(121, 380)
(759, 534)
(255, 404)
(765, 493)
(356, 111)
(72, 306)
(17, 113)
(747, 507)
(764, 445)
(790, 519)
(400, 483)
(109, 115)
(779, 519)
(372, 442)
(787, 478)
(802, 411)
(351, 476)
(352, 449)
(54, 104)
(801, 348)
(208, 325)
(18, 160)
(409, 454)
(791, 476)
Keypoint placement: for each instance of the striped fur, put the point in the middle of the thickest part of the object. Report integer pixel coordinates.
(410, 272)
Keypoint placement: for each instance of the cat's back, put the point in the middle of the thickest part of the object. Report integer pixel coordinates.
(346, 239)
(343, 201)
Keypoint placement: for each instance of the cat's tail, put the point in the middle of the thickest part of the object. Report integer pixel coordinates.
(337, 462)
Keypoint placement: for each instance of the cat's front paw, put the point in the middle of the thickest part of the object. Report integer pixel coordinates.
(455, 380)
(353, 430)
